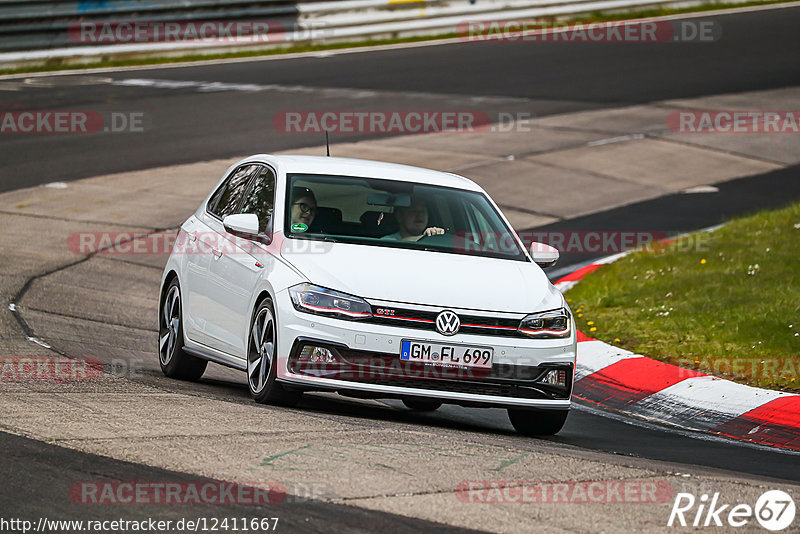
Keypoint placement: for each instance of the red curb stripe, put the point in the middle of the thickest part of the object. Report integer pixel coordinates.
(775, 423)
(781, 411)
(584, 337)
(628, 381)
(574, 276)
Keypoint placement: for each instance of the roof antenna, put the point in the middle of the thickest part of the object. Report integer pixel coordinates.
(327, 145)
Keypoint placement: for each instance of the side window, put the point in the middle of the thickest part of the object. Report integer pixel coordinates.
(226, 198)
(261, 199)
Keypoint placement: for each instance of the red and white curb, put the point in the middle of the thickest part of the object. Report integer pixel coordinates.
(620, 381)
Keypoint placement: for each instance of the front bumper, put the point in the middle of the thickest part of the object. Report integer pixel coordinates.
(367, 363)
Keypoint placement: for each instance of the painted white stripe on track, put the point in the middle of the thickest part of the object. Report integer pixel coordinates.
(704, 402)
(596, 355)
(565, 286)
(331, 92)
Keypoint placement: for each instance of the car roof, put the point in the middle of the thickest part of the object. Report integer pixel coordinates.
(287, 164)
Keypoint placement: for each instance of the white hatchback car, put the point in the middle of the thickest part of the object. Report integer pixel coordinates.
(372, 280)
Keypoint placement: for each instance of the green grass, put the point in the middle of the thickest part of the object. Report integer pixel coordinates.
(60, 64)
(725, 303)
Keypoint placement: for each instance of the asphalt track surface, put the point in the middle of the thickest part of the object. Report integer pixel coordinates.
(757, 50)
(38, 475)
(189, 125)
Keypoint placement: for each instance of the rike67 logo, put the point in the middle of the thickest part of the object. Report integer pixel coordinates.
(774, 510)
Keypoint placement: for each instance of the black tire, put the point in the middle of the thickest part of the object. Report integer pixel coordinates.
(422, 405)
(537, 422)
(175, 363)
(262, 362)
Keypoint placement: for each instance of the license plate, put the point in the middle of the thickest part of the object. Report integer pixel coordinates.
(446, 355)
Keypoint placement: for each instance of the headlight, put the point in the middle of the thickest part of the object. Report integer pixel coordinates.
(322, 301)
(548, 324)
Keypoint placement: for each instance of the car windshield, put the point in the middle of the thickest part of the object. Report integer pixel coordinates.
(386, 213)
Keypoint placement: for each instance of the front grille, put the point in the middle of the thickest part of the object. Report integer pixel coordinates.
(383, 369)
(426, 320)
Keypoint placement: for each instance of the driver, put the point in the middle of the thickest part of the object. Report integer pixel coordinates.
(412, 222)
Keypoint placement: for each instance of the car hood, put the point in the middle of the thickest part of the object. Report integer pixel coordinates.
(424, 277)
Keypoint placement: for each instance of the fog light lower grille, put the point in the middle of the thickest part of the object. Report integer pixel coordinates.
(556, 377)
(312, 353)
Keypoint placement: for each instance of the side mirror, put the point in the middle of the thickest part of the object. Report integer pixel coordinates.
(544, 255)
(245, 224)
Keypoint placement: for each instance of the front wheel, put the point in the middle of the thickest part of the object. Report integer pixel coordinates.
(537, 422)
(262, 359)
(174, 361)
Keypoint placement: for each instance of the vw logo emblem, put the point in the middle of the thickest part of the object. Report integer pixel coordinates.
(448, 323)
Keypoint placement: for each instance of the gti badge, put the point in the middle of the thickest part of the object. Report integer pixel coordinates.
(448, 323)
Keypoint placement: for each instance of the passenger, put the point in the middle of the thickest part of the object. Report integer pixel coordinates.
(412, 223)
(304, 205)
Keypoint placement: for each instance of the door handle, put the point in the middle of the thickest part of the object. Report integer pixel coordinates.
(217, 254)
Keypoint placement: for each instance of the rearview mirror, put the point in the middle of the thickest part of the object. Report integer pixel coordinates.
(241, 223)
(400, 200)
(543, 254)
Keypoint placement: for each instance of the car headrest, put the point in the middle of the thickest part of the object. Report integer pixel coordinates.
(326, 220)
